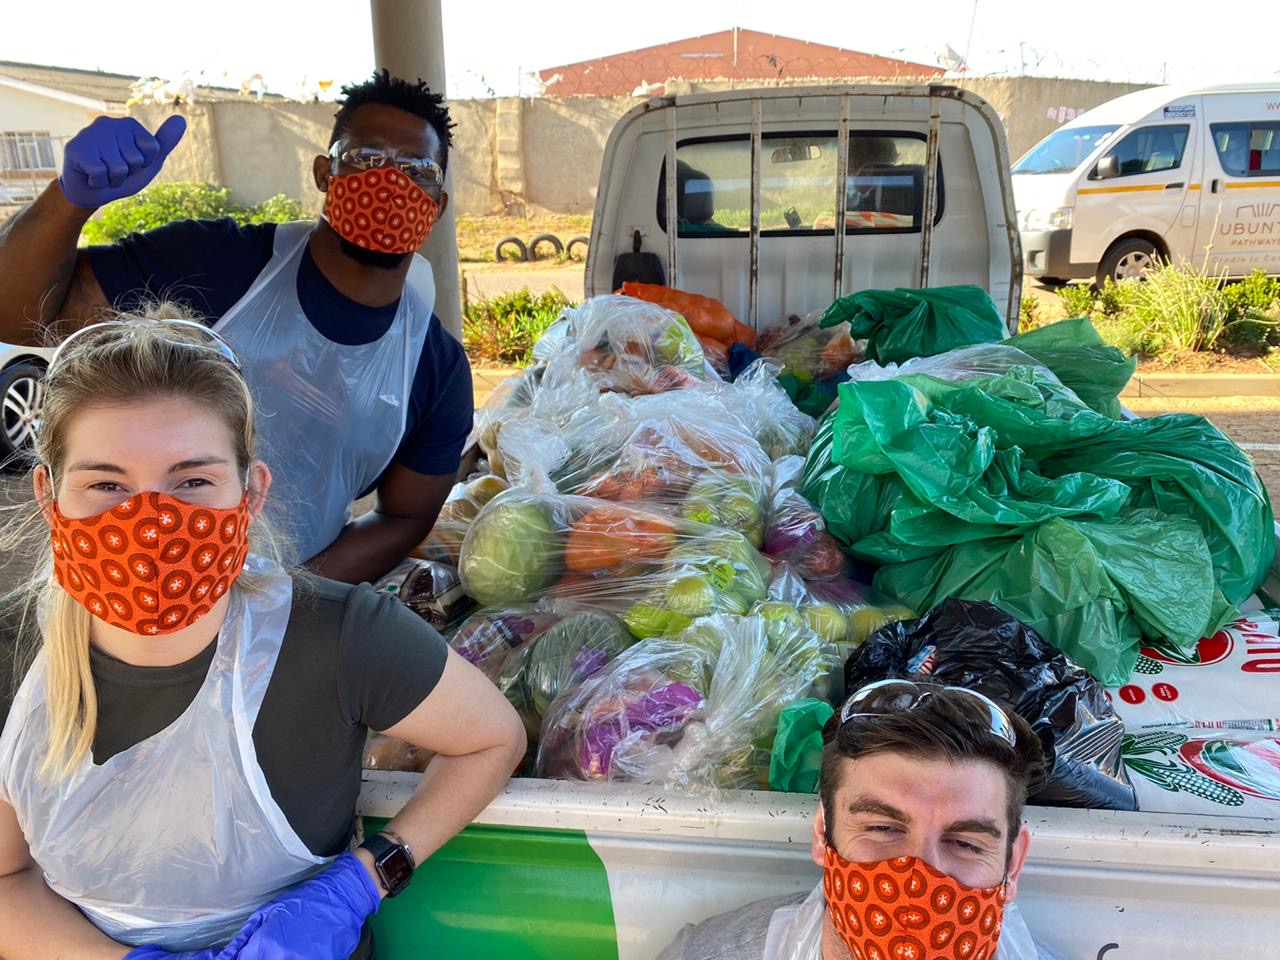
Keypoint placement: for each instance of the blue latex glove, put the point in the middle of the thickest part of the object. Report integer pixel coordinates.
(228, 952)
(115, 157)
(320, 919)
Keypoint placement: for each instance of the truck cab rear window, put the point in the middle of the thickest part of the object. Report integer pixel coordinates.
(885, 185)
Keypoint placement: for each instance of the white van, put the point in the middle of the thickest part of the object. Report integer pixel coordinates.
(1166, 172)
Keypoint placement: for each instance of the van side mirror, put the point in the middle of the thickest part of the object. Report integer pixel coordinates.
(1107, 168)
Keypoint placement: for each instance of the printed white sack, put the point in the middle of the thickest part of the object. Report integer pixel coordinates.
(1230, 773)
(1230, 682)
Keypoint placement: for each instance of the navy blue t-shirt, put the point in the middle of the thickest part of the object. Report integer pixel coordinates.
(210, 264)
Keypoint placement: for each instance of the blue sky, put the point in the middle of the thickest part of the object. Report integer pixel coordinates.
(489, 46)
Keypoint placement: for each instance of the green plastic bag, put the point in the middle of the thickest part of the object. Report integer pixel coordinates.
(1092, 589)
(1082, 360)
(1094, 531)
(797, 746)
(901, 324)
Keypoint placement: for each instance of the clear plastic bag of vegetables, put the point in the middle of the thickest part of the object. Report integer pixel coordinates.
(681, 455)
(697, 712)
(843, 612)
(488, 637)
(795, 532)
(807, 351)
(657, 572)
(561, 658)
(465, 501)
(630, 346)
(757, 400)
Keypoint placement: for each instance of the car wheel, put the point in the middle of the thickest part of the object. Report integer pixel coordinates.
(21, 391)
(1127, 260)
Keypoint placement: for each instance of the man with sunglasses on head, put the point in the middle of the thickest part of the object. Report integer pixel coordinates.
(918, 832)
(359, 387)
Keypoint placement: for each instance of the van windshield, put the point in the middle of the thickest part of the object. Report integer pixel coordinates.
(1063, 149)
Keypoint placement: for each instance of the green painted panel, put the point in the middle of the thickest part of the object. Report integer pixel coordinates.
(518, 894)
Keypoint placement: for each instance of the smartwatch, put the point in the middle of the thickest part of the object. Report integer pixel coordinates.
(393, 860)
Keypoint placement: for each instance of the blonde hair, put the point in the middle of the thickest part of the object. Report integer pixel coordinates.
(140, 358)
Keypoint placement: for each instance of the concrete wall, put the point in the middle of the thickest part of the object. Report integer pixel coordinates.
(518, 157)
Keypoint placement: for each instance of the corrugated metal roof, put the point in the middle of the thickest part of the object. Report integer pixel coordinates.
(110, 88)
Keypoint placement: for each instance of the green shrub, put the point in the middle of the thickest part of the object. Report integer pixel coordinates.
(1253, 305)
(1077, 299)
(1171, 309)
(1028, 314)
(155, 206)
(503, 330)
(163, 203)
(277, 209)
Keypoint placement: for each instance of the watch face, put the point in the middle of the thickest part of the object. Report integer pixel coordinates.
(396, 869)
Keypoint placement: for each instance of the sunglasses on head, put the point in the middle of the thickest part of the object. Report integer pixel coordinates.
(215, 342)
(887, 697)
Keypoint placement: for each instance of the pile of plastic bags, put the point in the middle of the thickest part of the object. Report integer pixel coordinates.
(979, 474)
(671, 566)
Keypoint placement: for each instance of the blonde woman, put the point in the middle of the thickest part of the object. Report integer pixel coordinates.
(180, 765)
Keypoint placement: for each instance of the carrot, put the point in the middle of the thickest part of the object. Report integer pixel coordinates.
(607, 538)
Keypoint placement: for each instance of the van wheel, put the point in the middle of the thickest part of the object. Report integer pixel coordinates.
(21, 393)
(557, 248)
(1126, 260)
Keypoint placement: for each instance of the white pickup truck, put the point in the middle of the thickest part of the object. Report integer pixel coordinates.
(563, 870)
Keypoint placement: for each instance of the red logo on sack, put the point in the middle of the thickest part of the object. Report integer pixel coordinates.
(1165, 691)
(1208, 650)
(1131, 694)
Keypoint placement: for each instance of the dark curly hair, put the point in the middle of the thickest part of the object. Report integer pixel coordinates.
(415, 98)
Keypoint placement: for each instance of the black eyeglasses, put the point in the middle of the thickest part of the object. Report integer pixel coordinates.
(887, 697)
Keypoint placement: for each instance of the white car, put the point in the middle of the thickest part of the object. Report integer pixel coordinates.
(21, 370)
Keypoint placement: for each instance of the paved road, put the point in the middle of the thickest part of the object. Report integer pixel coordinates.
(490, 280)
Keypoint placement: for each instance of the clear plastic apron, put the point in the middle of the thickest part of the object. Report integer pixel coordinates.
(330, 416)
(176, 840)
(795, 932)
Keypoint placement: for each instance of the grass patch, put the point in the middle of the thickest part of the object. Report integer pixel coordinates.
(503, 330)
(477, 236)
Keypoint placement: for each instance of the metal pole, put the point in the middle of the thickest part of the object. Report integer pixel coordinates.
(673, 221)
(930, 187)
(408, 39)
(842, 195)
(753, 306)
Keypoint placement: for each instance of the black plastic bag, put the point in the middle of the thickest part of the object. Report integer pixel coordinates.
(965, 643)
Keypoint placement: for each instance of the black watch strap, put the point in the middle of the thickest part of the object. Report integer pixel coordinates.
(392, 861)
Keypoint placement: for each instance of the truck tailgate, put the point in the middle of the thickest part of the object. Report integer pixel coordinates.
(1097, 882)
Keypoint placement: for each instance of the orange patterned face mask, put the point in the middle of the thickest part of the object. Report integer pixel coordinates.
(905, 909)
(380, 209)
(153, 564)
